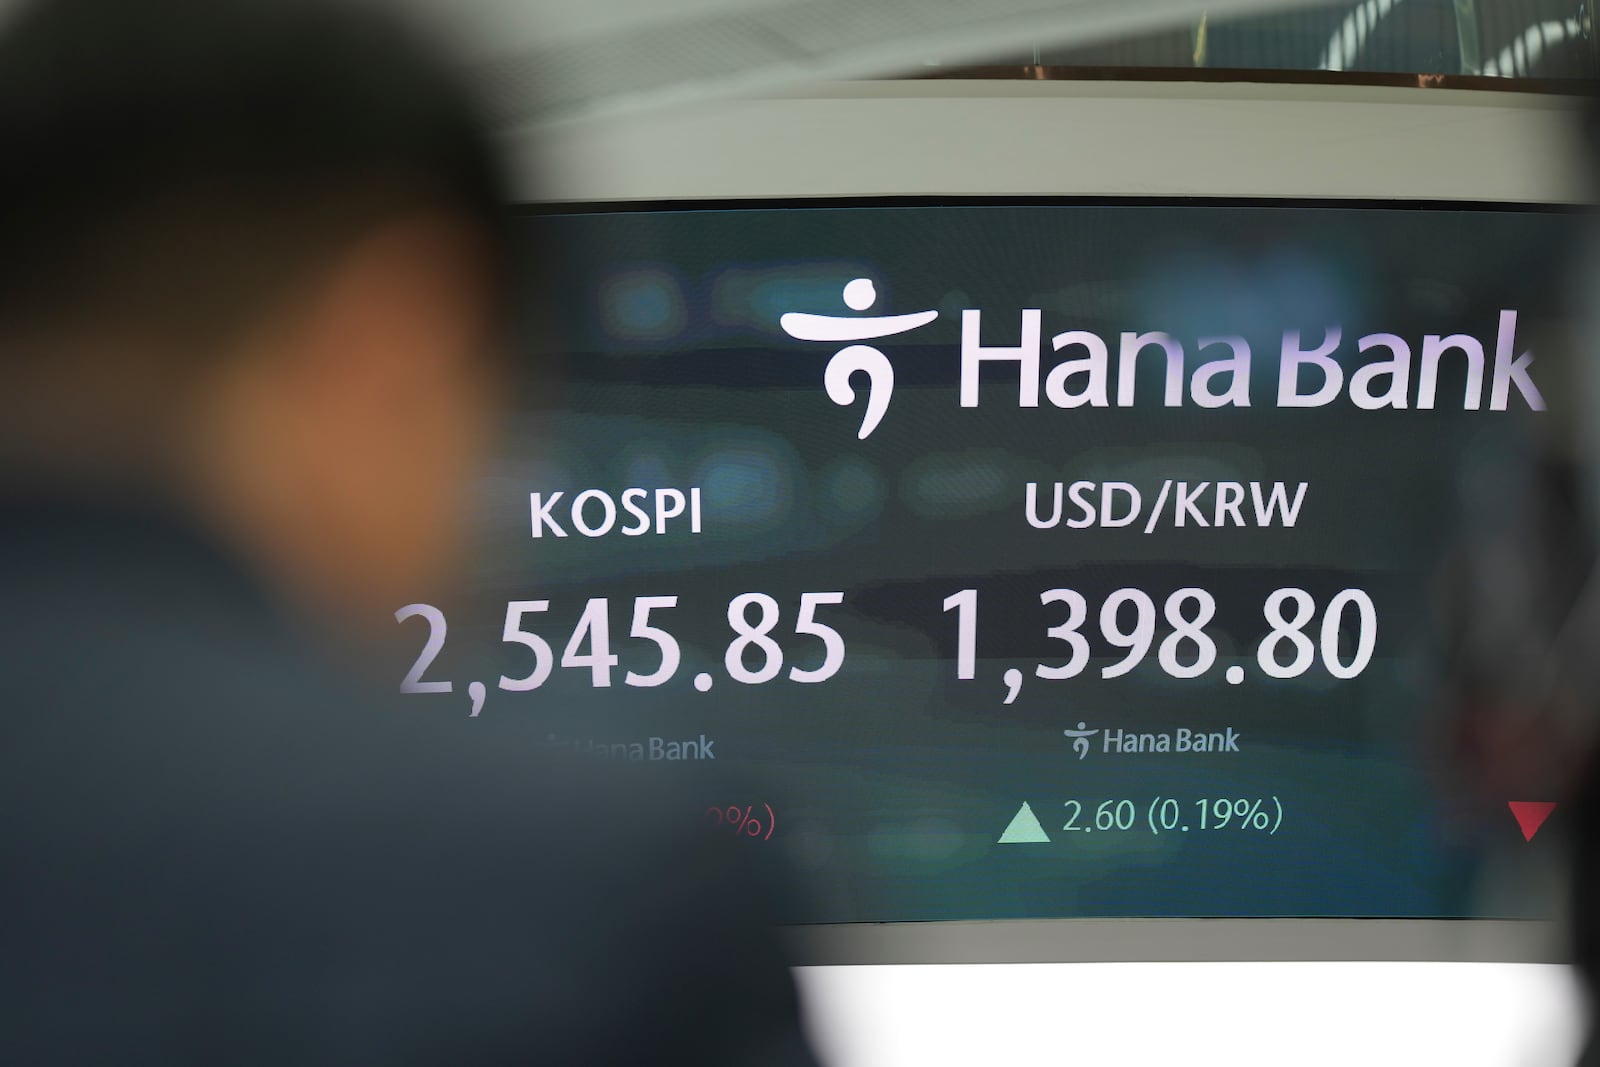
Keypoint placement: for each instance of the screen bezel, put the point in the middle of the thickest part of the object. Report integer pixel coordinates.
(787, 203)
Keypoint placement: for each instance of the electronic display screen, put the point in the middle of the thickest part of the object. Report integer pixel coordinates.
(1020, 560)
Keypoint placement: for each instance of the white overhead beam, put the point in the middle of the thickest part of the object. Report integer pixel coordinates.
(1002, 138)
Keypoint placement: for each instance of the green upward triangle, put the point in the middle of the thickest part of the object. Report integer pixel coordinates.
(1024, 828)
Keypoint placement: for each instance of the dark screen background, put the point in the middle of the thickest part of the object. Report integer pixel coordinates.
(892, 781)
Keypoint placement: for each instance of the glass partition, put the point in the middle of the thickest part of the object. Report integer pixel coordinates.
(1531, 44)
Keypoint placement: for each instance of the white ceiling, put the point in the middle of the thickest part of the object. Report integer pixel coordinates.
(550, 62)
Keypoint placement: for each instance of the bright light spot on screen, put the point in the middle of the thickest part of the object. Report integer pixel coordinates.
(744, 487)
(643, 305)
(757, 297)
(958, 484)
(854, 489)
(1201, 292)
(954, 303)
(645, 467)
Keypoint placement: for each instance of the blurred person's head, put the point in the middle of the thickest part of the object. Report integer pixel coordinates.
(249, 264)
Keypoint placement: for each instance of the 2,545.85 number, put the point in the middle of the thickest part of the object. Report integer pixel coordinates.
(589, 645)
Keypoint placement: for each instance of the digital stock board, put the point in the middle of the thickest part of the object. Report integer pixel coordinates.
(1016, 560)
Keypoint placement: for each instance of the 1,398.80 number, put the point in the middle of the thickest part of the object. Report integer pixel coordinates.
(1187, 650)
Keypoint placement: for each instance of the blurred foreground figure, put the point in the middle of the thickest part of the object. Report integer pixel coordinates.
(250, 273)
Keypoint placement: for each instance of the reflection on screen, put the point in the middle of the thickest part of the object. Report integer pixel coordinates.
(1029, 560)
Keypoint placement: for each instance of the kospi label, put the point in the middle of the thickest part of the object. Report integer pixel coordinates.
(633, 513)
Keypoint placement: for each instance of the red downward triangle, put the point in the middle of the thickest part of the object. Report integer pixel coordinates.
(1530, 815)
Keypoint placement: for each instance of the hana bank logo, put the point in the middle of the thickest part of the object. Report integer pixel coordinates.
(1080, 738)
(859, 295)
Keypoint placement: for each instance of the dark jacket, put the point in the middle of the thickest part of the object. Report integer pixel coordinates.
(215, 848)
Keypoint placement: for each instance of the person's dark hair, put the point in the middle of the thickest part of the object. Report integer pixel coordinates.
(170, 165)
